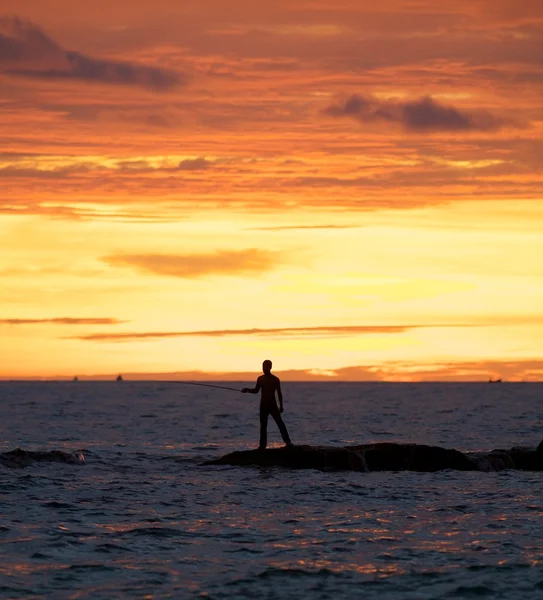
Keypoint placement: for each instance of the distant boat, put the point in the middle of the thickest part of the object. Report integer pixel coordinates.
(494, 381)
(76, 378)
(119, 378)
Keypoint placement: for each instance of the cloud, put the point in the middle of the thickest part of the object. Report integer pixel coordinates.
(473, 371)
(332, 330)
(21, 41)
(422, 115)
(320, 330)
(61, 321)
(26, 51)
(108, 71)
(194, 164)
(189, 266)
(33, 173)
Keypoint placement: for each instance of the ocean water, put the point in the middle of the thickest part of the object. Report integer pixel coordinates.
(138, 517)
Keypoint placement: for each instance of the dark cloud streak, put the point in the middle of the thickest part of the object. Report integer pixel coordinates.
(194, 164)
(333, 330)
(422, 115)
(26, 51)
(190, 266)
(62, 321)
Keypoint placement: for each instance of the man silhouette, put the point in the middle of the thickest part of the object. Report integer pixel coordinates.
(269, 383)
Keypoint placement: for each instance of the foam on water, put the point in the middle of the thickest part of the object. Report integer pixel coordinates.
(141, 517)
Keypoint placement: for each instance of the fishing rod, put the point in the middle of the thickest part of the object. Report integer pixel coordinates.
(221, 387)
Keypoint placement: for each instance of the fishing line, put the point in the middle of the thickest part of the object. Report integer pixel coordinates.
(221, 387)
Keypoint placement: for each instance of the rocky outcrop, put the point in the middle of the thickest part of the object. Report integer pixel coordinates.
(18, 458)
(385, 457)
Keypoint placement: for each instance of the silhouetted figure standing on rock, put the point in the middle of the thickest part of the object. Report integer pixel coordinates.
(269, 383)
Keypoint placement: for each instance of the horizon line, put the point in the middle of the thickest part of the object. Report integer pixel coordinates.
(113, 379)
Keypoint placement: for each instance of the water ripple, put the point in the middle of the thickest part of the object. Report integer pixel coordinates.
(142, 518)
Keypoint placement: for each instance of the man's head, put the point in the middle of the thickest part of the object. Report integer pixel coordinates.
(266, 366)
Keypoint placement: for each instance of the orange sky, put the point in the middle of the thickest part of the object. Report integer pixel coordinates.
(351, 188)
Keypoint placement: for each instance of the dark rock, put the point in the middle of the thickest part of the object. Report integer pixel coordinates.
(527, 460)
(385, 456)
(414, 457)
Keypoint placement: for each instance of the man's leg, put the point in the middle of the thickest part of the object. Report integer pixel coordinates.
(274, 411)
(263, 428)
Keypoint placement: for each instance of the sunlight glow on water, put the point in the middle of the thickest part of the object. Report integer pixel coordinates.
(141, 518)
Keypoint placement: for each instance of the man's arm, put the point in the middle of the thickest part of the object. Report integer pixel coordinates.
(279, 395)
(254, 390)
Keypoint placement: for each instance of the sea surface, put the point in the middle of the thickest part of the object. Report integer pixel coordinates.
(137, 516)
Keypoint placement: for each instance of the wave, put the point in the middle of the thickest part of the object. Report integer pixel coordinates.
(19, 458)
